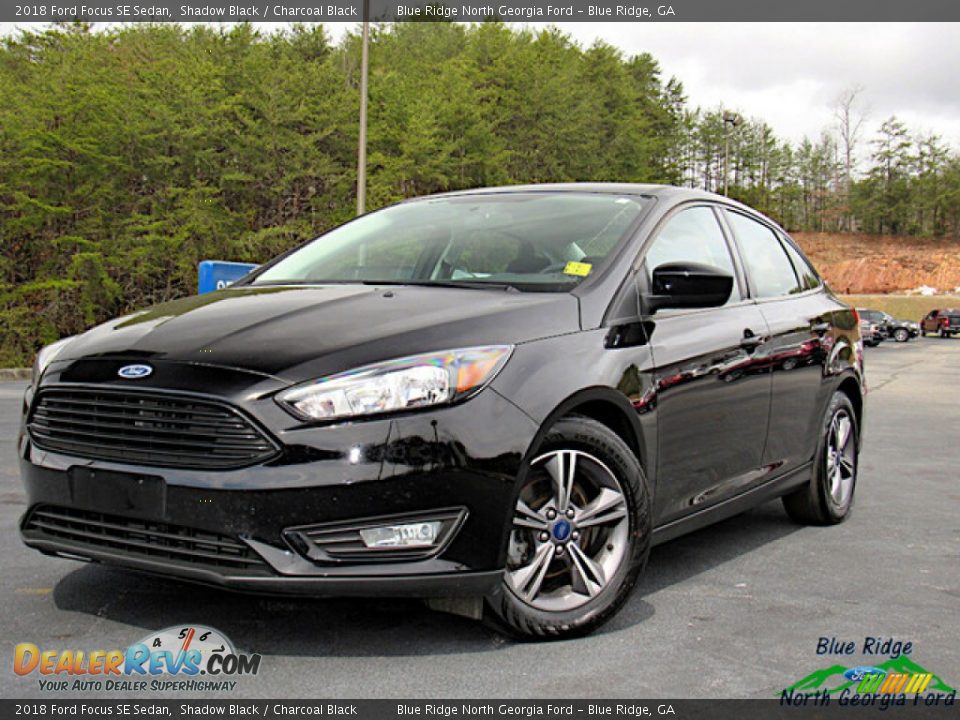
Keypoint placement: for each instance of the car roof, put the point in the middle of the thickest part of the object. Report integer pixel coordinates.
(671, 192)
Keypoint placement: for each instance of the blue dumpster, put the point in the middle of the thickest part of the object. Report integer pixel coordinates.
(217, 274)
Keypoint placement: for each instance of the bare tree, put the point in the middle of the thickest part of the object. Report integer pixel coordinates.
(850, 116)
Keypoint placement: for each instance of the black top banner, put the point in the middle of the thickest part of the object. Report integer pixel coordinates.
(552, 11)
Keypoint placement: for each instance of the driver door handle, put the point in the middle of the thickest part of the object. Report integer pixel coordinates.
(749, 341)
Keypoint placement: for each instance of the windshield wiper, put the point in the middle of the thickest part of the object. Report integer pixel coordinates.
(277, 283)
(466, 284)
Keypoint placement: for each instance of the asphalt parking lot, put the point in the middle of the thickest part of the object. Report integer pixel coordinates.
(735, 610)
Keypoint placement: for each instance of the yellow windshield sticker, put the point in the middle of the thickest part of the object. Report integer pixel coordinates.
(577, 268)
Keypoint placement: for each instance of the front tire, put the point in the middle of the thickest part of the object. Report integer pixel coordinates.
(901, 335)
(580, 536)
(828, 498)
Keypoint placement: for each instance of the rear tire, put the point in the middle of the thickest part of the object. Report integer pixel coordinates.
(827, 498)
(580, 536)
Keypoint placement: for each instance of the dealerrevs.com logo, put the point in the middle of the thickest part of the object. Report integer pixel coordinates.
(179, 658)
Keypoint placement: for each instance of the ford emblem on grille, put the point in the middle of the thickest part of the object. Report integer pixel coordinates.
(133, 372)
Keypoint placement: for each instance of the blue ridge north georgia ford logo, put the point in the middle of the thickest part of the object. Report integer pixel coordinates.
(134, 372)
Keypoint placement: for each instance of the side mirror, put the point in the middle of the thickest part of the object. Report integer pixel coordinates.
(688, 285)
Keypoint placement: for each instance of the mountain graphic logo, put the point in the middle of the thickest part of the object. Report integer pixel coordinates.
(898, 675)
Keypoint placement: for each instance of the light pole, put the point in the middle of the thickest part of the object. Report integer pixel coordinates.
(730, 121)
(362, 142)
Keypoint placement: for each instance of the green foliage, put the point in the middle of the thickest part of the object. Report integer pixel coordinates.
(129, 154)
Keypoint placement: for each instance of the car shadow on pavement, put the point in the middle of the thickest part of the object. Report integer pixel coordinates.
(292, 626)
(356, 627)
(690, 555)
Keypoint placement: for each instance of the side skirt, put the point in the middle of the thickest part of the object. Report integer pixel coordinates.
(733, 506)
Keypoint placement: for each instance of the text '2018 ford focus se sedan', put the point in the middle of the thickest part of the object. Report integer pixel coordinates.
(501, 398)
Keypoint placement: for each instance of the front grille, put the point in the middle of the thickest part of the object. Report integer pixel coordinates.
(144, 538)
(146, 428)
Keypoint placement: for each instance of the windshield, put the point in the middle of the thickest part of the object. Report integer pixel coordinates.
(530, 241)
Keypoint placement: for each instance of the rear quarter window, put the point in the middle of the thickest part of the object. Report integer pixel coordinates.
(807, 276)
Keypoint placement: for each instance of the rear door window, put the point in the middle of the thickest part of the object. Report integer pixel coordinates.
(770, 270)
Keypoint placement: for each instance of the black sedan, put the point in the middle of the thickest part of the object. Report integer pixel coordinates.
(890, 327)
(497, 399)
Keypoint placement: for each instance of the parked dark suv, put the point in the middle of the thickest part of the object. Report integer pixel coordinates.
(889, 326)
(499, 397)
(943, 322)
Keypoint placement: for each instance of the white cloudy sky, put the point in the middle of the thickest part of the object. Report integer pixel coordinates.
(790, 74)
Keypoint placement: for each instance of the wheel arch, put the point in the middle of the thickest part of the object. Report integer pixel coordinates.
(606, 406)
(850, 387)
(602, 404)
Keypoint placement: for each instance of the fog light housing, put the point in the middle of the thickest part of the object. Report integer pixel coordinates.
(411, 536)
(423, 534)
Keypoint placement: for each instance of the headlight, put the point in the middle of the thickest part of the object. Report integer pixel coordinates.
(403, 384)
(46, 356)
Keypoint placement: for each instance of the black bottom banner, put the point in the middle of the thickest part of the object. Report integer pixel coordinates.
(814, 707)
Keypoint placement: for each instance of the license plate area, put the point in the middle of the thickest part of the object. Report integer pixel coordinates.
(127, 494)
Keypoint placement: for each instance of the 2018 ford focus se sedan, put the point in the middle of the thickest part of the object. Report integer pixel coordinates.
(502, 394)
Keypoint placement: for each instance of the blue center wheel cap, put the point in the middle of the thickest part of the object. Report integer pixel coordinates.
(561, 530)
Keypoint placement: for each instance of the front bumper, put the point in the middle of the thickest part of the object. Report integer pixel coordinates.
(230, 528)
(459, 584)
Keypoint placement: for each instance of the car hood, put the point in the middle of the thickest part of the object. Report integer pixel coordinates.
(298, 333)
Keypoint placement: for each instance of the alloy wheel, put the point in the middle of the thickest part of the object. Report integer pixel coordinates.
(841, 458)
(570, 532)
